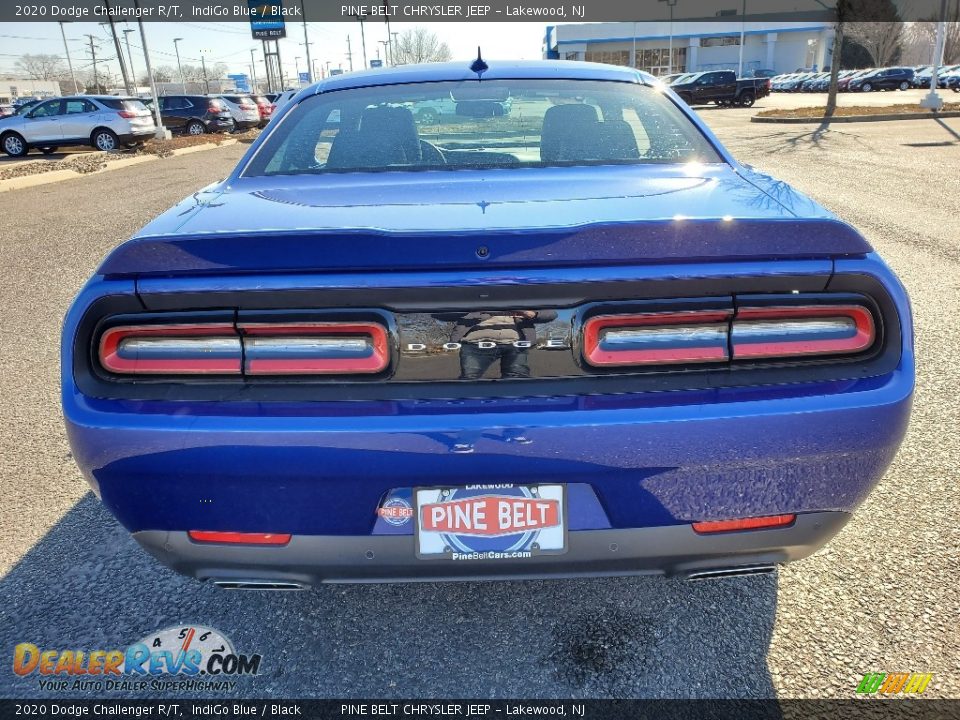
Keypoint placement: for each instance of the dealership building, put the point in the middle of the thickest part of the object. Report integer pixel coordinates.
(696, 45)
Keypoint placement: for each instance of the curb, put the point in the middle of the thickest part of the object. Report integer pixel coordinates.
(927, 115)
(27, 181)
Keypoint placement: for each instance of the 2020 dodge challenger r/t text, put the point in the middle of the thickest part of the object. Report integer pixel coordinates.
(556, 331)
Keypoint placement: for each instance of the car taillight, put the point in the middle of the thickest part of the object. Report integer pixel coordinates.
(792, 331)
(315, 348)
(245, 106)
(663, 338)
(214, 107)
(127, 114)
(186, 349)
(712, 336)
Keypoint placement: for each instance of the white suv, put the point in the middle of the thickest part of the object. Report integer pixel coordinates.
(103, 121)
(244, 110)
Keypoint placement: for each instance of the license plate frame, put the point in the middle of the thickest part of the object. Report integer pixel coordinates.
(544, 540)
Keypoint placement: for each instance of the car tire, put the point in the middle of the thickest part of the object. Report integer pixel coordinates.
(14, 145)
(687, 98)
(195, 127)
(904, 85)
(747, 99)
(427, 116)
(866, 87)
(48, 150)
(104, 139)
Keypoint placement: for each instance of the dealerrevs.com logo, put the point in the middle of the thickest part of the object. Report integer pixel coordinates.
(190, 657)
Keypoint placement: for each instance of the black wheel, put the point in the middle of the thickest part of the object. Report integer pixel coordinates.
(427, 116)
(104, 139)
(195, 127)
(14, 145)
(48, 150)
(747, 99)
(687, 98)
(904, 85)
(866, 87)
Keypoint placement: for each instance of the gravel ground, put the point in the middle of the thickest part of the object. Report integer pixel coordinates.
(881, 597)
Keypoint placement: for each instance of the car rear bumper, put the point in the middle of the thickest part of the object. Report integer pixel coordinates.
(672, 550)
(246, 124)
(138, 135)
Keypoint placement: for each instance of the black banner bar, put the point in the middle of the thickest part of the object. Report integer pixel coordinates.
(546, 12)
(183, 709)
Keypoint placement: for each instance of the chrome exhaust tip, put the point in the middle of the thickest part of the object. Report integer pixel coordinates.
(259, 585)
(716, 573)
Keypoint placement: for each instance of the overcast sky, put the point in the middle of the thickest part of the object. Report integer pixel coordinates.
(230, 43)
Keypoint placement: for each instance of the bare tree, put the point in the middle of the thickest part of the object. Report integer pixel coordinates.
(419, 45)
(881, 39)
(42, 67)
(924, 35)
(851, 13)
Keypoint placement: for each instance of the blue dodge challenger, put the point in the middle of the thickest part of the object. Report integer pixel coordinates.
(572, 338)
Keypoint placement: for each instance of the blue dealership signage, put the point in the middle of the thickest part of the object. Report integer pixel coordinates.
(266, 19)
(240, 81)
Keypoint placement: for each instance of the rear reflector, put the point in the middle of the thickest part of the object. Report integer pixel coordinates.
(207, 349)
(790, 331)
(758, 523)
(315, 348)
(697, 336)
(239, 538)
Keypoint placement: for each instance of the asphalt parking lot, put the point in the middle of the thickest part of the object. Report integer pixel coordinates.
(880, 598)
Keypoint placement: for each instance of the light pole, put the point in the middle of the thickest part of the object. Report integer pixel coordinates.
(670, 3)
(253, 69)
(203, 64)
(162, 133)
(743, 27)
(932, 99)
(386, 50)
(176, 48)
(133, 73)
(76, 88)
(296, 64)
(306, 43)
(363, 43)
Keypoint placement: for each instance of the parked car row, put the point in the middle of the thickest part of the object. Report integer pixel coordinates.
(869, 79)
(105, 122)
(109, 122)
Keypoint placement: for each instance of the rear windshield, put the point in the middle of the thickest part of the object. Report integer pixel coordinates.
(122, 104)
(494, 123)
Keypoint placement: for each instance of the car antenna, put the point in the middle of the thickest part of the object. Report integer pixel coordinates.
(479, 66)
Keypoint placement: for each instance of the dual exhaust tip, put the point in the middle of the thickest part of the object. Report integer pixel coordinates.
(718, 573)
(710, 574)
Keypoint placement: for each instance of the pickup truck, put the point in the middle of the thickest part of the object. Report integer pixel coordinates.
(721, 87)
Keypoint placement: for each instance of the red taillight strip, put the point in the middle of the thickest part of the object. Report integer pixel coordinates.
(274, 357)
(239, 538)
(659, 345)
(756, 523)
(770, 340)
(200, 359)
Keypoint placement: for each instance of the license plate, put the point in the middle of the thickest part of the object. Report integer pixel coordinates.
(490, 522)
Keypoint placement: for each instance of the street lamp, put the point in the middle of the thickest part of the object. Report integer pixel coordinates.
(76, 87)
(133, 73)
(176, 47)
(296, 64)
(670, 3)
(932, 99)
(386, 50)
